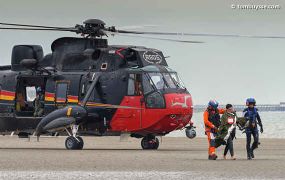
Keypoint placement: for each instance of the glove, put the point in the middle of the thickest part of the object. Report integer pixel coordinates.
(215, 129)
(261, 129)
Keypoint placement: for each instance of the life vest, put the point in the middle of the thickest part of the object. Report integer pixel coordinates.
(214, 117)
(251, 115)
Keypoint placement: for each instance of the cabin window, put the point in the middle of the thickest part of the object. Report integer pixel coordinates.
(61, 92)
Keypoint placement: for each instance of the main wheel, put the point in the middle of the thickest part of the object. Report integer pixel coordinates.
(150, 143)
(156, 144)
(71, 143)
(80, 143)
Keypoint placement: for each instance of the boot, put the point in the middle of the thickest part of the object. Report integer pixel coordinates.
(249, 156)
(213, 157)
(252, 154)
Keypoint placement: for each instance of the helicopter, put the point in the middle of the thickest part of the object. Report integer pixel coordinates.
(91, 88)
(88, 87)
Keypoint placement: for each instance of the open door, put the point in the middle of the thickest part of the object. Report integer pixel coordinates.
(28, 90)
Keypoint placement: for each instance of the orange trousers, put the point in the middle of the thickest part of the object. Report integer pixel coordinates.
(211, 140)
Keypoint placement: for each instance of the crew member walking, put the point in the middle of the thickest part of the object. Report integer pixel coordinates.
(252, 116)
(212, 123)
(228, 128)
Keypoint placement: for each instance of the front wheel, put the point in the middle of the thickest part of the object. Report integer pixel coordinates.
(150, 143)
(72, 143)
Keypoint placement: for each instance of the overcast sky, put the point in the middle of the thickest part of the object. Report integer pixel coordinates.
(226, 69)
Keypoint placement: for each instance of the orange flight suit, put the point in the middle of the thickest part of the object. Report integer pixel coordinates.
(209, 131)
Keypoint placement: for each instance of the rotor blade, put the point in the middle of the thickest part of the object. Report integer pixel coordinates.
(29, 25)
(162, 39)
(37, 29)
(136, 27)
(200, 34)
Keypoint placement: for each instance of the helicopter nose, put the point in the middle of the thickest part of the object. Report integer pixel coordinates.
(178, 101)
(178, 125)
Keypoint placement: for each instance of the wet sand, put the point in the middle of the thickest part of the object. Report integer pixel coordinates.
(109, 158)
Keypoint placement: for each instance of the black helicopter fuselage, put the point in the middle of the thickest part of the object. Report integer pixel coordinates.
(66, 75)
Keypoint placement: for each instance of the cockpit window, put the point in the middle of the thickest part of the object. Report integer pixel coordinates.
(148, 85)
(169, 80)
(148, 82)
(164, 81)
(158, 80)
(177, 80)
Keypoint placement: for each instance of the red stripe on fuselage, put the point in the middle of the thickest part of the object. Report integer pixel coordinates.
(47, 94)
(7, 93)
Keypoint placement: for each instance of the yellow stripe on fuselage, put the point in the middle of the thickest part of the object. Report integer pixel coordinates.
(7, 98)
(49, 98)
(72, 100)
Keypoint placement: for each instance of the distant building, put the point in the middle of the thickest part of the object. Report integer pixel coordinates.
(261, 107)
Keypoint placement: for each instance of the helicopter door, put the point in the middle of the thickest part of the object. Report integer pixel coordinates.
(130, 119)
(26, 94)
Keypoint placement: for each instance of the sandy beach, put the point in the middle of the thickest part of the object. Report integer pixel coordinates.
(110, 158)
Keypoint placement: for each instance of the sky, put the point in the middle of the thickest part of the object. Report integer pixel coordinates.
(226, 69)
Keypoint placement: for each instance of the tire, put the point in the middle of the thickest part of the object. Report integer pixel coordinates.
(156, 144)
(81, 143)
(71, 143)
(150, 143)
(144, 143)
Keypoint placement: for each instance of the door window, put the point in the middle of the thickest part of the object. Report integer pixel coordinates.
(135, 85)
(147, 84)
(131, 85)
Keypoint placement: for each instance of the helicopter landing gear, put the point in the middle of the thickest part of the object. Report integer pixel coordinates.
(150, 142)
(74, 142)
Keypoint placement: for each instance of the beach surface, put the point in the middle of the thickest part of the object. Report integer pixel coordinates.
(110, 158)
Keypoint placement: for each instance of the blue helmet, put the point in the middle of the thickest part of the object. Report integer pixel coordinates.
(213, 103)
(250, 101)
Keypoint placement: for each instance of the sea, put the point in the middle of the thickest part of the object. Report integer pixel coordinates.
(273, 125)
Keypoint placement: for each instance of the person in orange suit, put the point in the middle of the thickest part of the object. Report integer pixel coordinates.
(212, 123)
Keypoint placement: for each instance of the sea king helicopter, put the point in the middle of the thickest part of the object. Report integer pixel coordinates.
(87, 87)
(91, 88)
